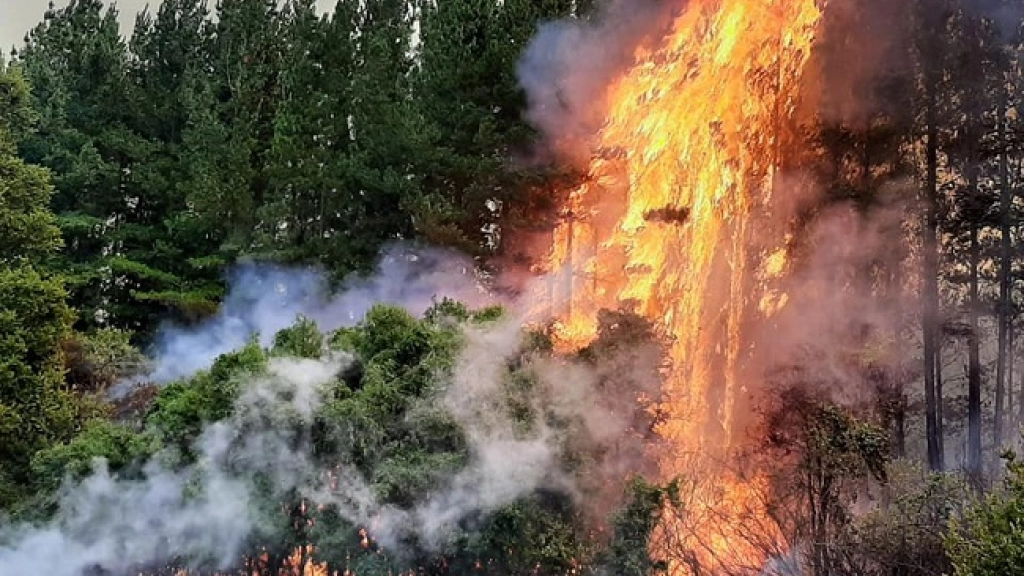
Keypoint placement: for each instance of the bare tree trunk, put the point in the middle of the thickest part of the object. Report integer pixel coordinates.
(930, 285)
(973, 358)
(1005, 202)
(901, 430)
(1020, 401)
(1019, 420)
(1010, 357)
(939, 405)
(1018, 173)
(897, 375)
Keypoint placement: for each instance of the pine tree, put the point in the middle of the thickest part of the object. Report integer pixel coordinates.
(308, 212)
(469, 94)
(174, 268)
(77, 64)
(387, 132)
(28, 230)
(246, 74)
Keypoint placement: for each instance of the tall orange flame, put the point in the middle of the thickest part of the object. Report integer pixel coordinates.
(694, 134)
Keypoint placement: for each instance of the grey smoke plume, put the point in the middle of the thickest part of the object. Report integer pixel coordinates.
(506, 460)
(570, 64)
(848, 292)
(115, 524)
(264, 299)
(504, 465)
(209, 511)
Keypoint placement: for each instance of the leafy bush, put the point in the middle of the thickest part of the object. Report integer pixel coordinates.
(906, 534)
(182, 408)
(989, 540)
(301, 340)
(100, 439)
(628, 553)
(385, 419)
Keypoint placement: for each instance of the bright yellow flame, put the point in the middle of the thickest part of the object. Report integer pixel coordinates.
(700, 122)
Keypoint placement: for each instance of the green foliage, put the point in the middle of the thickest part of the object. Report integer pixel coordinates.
(377, 417)
(447, 309)
(382, 418)
(537, 535)
(17, 116)
(906, 533)
(989, 540)
(830, 440)
(99, 439)
(28, 230)
(265, 130)
(821, 456)
(406, 475)
(467, 92)
(311, 211)
(520, 396)
(389, 333)
(35, 409)
(182, 408)
(301, 340)
(133, 174)
(489, 314)
(628, 553)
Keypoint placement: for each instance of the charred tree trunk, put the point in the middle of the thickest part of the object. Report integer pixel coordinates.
(1018, 418)
(900, 425)
(939, 406)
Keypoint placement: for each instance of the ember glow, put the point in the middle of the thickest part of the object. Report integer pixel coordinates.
(668, 222)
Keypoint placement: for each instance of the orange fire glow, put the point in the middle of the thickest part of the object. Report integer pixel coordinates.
(694, 134)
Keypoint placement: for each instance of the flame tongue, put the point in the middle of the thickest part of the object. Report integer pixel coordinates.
(698, 127)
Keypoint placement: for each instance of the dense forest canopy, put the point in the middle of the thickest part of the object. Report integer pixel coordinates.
(226, 239)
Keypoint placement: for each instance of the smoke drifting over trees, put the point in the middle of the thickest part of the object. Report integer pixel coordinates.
(508, 414)
(301, 216)
(264, 299)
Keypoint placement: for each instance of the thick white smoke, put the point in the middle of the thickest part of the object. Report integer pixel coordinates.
(507, 460)
(204, 511)
(208, 512)
(263, 299)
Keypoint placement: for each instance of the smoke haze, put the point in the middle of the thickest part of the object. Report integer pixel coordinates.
(1006, 14)
(829, 290)
(569, 65)
(203, 512)
(118, 523)
(208, 512)
(263, 299)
